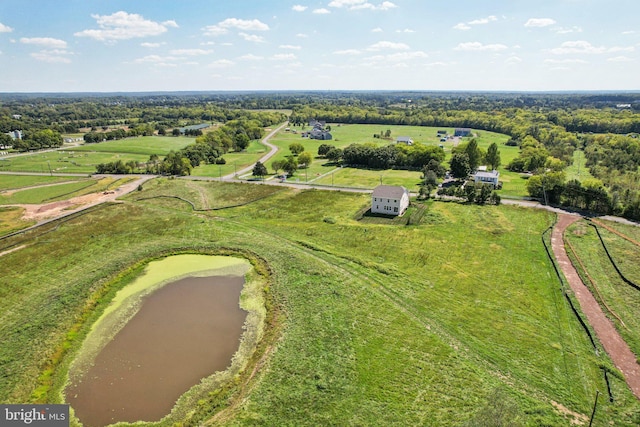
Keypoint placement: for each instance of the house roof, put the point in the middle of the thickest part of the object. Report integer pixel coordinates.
(389, 191)
(492, 174)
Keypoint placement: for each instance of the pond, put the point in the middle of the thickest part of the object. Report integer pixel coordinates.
(181, 332)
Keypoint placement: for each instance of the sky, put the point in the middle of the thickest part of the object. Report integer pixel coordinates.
(249, 45)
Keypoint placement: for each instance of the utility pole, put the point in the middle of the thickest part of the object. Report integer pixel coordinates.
(49, 163)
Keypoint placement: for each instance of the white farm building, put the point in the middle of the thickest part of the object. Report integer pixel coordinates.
(389, 200)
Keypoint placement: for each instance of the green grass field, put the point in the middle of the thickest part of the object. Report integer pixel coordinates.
(13, 182)
(146, 145)
(235, 161)
(381, 323)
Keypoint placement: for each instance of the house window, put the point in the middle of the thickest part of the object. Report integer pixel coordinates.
(395, 209)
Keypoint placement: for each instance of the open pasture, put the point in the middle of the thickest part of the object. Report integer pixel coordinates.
(66, 161)
(146, 145)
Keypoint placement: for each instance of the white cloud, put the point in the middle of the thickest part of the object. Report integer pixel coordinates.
(221, 63)
(346, 3)
(578, 46)
(299, 8)
(377, 30)
(251, 57)
(361, 4)
(461, 26)
(565, 61)
(152, 45)
(252, 37)
(388, 45)
(46, 42)
(620, 59)
(347, 52)
(284, 56)
(483, 21)
(289, 46)
(513, 60)
(54, 56)
(154, 59)
(171, 23)
(321, 11)
(477, 46)
(122, 26)
(302, 36)
(574, 29)
(406, 30)
(223, 27)
(628, 32)
(5, 28)
(405, 56)
(190, 52)
(539, 22)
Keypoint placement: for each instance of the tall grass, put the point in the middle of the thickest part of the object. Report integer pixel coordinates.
(381, 323)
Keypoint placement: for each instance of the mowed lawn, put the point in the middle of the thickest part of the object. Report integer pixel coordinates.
(324, 173)
(12, 182)
(85, 158)
(147, 145)
(234, 161)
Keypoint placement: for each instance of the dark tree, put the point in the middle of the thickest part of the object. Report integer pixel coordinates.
(259, 169)
(459, 165)
(493, 156)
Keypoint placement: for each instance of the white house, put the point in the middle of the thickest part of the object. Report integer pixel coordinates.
(389, 200)
(487, 177)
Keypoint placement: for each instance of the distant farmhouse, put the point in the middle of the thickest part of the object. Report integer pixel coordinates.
(462, 132)
(318, 131)
(389, 200)
(484, 177)
(404, 140)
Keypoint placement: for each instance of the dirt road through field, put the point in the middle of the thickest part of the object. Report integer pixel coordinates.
(611, 340)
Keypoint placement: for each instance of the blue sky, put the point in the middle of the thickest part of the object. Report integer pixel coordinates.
(170, 45)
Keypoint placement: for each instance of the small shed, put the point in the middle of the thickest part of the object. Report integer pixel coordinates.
(404, 140)
(462, 132)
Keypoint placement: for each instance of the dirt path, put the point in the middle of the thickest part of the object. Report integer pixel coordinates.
(611, 340)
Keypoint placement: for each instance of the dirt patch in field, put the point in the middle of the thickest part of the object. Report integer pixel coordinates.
(576, 418)
(48, 211)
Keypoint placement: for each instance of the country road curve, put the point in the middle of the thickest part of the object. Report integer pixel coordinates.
(272, 152)
(617, 349)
